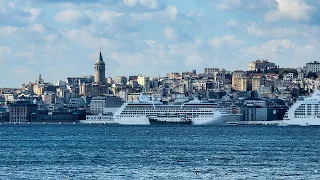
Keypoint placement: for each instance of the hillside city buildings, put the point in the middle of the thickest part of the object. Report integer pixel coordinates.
(264, 92)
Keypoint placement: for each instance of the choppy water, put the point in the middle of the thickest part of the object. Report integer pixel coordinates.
(153, 152)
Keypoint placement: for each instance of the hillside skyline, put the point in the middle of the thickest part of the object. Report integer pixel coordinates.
(62, 38)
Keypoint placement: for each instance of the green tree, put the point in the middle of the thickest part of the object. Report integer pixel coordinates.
(312, 75)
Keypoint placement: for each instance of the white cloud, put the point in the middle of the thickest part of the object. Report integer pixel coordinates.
(2, 8)
(151, 4)
(171, 12)
(186, 49)
(50, 38)
(130, 3)
(39, 28)
(194, 60)
(277, 32)
(150, 42)
(231, 23)
(107, 15)
(296, 10)
(155, 55)
(227, 4)
(20, 70)
(7, 30)
(270, 49)
(74, 17)
(35, 13)
(228, 41)
(4, 51)
(88, 40)
(169, 33)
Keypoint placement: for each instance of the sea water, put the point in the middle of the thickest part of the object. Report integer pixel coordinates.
(75, 151)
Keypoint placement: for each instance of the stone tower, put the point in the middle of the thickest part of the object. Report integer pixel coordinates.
(100, 70)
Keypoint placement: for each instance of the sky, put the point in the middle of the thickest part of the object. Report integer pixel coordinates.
(62, 38)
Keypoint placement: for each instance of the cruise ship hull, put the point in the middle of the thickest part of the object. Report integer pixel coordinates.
(305, 112)
(107, 119)
(135, 120)
(217, 119)
(302, 122)
(168, 121)
(96, 122)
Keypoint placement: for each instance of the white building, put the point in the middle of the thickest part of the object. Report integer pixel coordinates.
(105, 104)
(76, 103)
(312, 67)
(261, 65)
(288, 77)
(143, 80)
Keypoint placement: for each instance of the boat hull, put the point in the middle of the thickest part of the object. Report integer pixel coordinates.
(136, 120)
(303, 122)
(167, 121)
(218, 119)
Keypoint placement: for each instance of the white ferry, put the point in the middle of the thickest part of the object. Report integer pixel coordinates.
(305, 112)
(139, 113)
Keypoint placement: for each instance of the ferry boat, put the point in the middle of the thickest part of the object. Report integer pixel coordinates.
(304, 112)
(139, 113)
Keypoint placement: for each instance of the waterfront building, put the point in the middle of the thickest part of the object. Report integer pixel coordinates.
(76, 103)
(2, 101)
(254, 102)
(4, 115)
(20, 111)
(254, 113)
(105, 104)
(54, 107)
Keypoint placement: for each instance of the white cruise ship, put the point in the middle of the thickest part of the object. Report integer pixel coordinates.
(141, 112)
(305, 112)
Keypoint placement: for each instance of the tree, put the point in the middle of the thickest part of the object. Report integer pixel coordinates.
(284, 71)
(312, 75)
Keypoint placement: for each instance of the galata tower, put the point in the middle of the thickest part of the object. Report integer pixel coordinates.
(100, 70)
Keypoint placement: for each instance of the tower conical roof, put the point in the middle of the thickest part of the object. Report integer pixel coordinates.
(99, 59)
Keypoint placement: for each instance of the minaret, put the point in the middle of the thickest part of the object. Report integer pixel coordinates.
(100, 70)
(40, 80)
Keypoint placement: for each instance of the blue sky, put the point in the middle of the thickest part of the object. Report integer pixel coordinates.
(61, 38)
